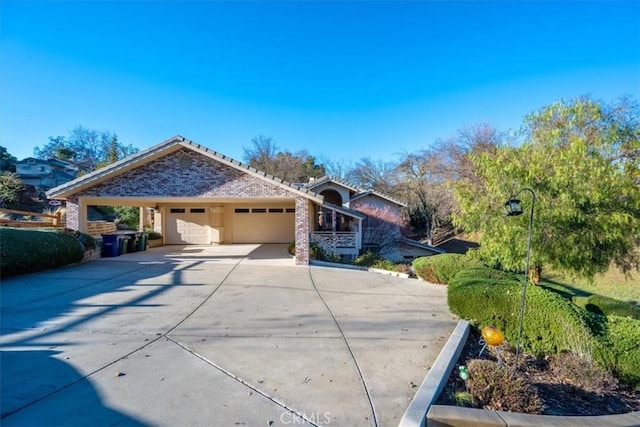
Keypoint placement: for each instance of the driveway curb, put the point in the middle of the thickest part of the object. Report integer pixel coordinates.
(436, 379)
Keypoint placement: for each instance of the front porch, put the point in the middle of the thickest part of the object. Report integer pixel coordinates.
(337, 230)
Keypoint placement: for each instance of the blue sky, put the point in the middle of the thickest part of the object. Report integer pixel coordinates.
(343, 80)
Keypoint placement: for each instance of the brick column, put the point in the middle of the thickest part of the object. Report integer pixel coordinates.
(302, 231)
(73, 213)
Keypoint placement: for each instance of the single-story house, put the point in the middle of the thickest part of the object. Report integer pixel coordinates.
(199, 196)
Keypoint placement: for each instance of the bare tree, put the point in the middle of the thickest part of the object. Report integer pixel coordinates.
(265, 155)
(373, 174)
(425, 178)
(381, 229)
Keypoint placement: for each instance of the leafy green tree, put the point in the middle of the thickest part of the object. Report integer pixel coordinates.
(89, 148)
(578, 159)
(7, 161)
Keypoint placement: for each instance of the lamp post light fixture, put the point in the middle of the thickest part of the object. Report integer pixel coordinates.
(514, 208)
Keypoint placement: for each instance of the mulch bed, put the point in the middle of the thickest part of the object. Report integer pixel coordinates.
(562, 394)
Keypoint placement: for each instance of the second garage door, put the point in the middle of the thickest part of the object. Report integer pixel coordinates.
(263, 225)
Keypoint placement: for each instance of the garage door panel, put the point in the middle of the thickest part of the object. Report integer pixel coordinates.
(188, 226)
(263, 225)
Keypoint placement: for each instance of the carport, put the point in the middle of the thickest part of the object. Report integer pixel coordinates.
(193, 195)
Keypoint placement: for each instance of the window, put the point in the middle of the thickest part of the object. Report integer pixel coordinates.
(291, 210)
(259, 210)
(242, 210)
(197, 210)
(276, 210)
(185, 162)
(177, 210)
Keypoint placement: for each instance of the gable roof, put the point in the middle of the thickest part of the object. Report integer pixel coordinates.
(417, 244)
(329, 178)
(166, 147)
(380, 195)
(344, 211)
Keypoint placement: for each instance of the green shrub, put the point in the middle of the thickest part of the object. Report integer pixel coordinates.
(316, 252)
(619, 349)
(492, 297)
(87, 241)
(552, 324)
(442, 268)
(154, 235)
(385, 264)
(367, 259)
(608, 306)
(29, 250)
(292, 248)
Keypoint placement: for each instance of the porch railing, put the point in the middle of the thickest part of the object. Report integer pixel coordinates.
(340, 242)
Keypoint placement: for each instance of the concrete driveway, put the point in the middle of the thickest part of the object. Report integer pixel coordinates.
(215, 336)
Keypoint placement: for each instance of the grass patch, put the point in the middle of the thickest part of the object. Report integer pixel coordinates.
(613, 284)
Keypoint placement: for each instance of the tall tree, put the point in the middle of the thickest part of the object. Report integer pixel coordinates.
(7, 161)
(265, 155)
(425, 178)
(88, 148)
(587, 211)
(372, 174)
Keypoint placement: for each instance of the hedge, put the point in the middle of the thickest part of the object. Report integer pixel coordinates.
(552, 324)
(443, 267)
(29, 250)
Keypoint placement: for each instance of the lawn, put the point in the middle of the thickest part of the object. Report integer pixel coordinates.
(612, 284)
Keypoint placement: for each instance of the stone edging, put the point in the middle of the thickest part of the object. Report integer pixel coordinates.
(422, 411)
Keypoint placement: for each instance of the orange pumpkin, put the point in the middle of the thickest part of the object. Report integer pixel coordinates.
(492, 335)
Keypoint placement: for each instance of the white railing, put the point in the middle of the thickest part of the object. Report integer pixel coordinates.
(340, 242)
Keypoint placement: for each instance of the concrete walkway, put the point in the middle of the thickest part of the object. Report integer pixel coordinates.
(215, 336)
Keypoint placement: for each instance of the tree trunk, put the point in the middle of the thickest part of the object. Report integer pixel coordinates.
(535, 274)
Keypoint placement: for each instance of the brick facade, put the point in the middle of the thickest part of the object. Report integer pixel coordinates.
(302, 231)
(186, 173)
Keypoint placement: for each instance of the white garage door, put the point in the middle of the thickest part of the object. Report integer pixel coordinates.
(263, 225)
(188, 226)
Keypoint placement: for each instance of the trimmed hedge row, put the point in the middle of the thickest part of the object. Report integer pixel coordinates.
(552, 324)
(29, 250)
(491, 297)
(442, 268)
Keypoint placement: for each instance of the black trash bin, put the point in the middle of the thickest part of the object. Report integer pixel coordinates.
(132, 244)
(110, 245)
(123, 243)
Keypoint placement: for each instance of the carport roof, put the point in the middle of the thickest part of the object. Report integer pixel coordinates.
(172, 144)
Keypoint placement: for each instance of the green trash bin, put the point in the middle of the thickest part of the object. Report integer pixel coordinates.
(142, 241)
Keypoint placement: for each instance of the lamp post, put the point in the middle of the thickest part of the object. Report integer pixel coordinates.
(514, 208)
